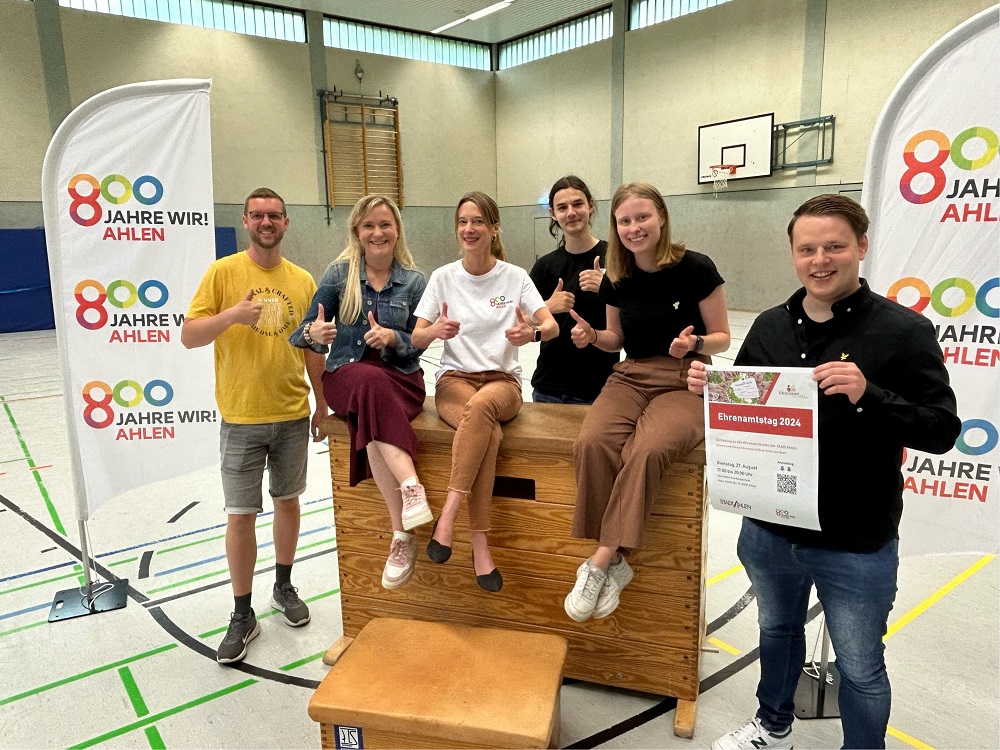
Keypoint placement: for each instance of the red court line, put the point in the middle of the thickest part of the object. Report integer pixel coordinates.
(36, 468)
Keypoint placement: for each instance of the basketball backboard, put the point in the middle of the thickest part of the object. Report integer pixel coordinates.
(745, 143)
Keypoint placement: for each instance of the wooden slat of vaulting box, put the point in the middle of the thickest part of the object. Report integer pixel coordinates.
(654, 635)
(607, 661)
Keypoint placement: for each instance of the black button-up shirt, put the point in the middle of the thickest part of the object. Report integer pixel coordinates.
(908, 402)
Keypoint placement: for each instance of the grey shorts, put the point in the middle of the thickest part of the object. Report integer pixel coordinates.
(246, 449)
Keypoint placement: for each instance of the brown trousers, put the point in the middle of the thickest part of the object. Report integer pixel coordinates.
(475, 403)
(644, 419)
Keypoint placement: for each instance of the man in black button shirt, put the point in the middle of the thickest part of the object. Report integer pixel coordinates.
(883, 386)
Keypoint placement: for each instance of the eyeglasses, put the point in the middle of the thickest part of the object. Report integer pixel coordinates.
(274, 216)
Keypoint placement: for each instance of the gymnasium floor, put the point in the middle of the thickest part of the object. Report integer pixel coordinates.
(145, 676)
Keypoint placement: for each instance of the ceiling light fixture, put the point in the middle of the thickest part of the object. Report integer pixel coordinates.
(477, 15)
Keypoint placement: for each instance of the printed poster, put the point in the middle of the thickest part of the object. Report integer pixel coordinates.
(761, 439)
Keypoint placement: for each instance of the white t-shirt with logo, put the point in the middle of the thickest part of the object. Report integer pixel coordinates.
(484, 307)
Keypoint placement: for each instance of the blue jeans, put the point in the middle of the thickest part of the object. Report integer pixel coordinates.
(544, 398)
(857, 591)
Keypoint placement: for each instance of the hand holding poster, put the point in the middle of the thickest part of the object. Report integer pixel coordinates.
(761, 441)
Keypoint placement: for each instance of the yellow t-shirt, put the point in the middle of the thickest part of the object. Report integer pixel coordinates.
(259, 376)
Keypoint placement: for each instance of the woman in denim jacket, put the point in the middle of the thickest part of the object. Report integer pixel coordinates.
(364, 307)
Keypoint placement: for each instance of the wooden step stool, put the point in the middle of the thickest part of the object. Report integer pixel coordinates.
(417, 684)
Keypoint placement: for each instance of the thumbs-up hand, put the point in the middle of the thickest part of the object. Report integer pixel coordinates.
(444, 327)
(379, 337)
(246, 311)
(583, 334)
(590, 280)
(320, 330)
(560, 301)
(684, 343)
(520, 333)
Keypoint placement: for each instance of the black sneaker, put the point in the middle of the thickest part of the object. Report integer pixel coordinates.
(286, 600)
(242, 630)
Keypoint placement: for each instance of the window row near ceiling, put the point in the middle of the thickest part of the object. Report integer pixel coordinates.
(227, 15)
(289, 25)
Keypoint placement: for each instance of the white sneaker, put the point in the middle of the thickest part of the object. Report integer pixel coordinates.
(753, 736)
(619, 575)
(399, 566)
(580, 602)
(416, 511)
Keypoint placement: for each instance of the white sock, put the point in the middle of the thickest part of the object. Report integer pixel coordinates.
(408, 481)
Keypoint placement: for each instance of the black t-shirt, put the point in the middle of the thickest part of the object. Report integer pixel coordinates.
(562, 369)
(655, 307)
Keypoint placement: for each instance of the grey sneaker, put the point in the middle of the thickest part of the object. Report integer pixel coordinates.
(242, 630)
(619, 575)
(286, 600)
(753, 736)
(416, 511)
(580, 602)
(399, 566)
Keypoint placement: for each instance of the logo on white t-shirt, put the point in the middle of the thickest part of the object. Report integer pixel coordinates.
(500, 302)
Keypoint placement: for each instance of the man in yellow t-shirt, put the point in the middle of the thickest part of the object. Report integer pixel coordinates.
(246, 305)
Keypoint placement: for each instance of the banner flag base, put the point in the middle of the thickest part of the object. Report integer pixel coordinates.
(819, 685)
(72, 602)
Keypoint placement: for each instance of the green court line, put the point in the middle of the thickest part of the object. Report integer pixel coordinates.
(272, 612)
(122, 562)
(316, 544)
(155, 741)
(190, 544)
(133, 691)
(56, 522)
(223, 536)
(300, 662)
(39, 583)
(88, 673)
(23, 627)
(153, 718)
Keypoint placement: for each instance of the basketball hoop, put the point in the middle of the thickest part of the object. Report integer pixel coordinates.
(720, 175)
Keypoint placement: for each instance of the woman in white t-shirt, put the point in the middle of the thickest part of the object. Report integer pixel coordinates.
(479, 306)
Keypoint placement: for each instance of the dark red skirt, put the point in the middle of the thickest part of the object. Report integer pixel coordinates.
(379, 402)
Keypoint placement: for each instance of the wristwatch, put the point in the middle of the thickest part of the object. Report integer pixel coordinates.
(538, 334)
(699, 343)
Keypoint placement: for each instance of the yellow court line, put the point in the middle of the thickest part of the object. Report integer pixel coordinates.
(723, 575)
(912, 741)
(933, 598)
(724, 646)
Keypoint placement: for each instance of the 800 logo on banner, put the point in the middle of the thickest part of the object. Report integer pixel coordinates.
(98, 412)
(110, 294)
(103, 189)
(932, 167)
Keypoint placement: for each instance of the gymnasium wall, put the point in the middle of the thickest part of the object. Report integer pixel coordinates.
(510, 133)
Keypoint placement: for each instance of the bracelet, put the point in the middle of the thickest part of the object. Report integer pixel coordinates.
(595, 336)
(306, 336)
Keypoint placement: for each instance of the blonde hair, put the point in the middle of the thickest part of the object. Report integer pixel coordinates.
(491, 212)
(620, 262)
(354, 253)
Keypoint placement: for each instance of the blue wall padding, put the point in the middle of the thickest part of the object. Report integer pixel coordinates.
(25, 297)
(25, 292)
(225, 241)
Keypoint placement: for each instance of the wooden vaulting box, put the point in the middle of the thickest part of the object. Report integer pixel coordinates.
(651, 643)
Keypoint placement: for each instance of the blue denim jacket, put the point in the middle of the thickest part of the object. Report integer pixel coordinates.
(394, 304)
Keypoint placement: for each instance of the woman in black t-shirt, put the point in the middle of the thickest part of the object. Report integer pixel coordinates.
(665, 307)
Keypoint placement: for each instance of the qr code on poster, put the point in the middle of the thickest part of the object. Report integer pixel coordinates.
(787, 484)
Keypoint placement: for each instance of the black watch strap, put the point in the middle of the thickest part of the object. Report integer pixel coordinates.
(538, 334)
(699, 343)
